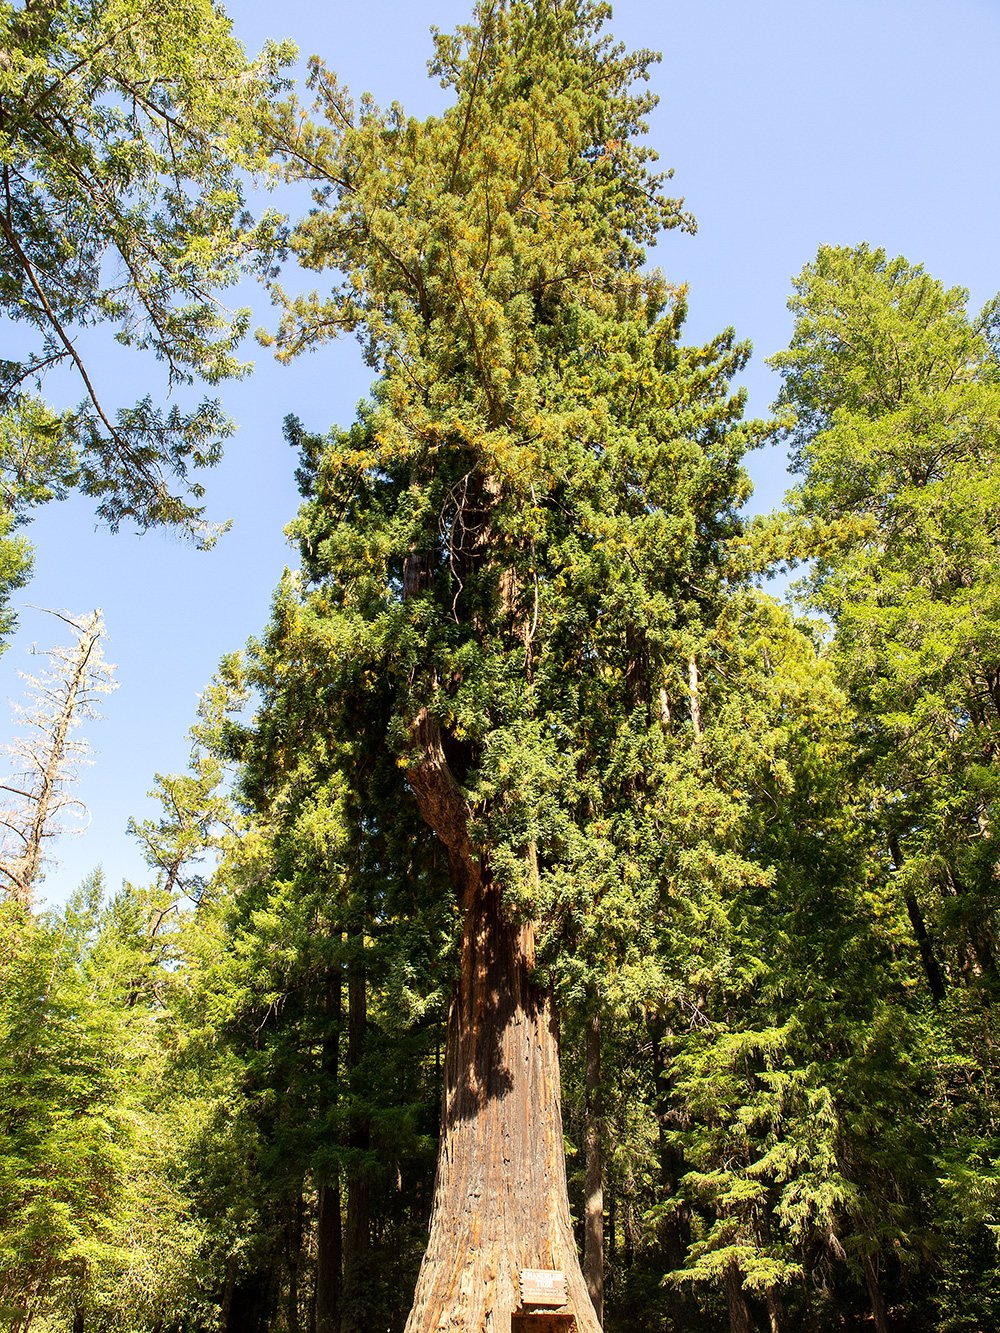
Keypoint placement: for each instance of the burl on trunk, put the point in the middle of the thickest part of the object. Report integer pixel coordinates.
(500, 1200)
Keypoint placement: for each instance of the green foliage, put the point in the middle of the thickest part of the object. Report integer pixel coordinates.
(895, 389)
(899, 398)
(126, 132)
(534, 389)
(530, 537)
(90, 1220)
(16, 561)
(760, 847)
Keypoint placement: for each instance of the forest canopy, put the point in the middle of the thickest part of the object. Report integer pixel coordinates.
(528, 793)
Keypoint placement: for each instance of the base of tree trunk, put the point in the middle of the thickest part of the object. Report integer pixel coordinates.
(500, 1199)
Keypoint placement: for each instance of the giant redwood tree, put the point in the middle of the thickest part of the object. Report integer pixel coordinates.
(512, 564)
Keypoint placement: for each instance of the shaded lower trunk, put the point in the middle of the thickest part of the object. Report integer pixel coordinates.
(293, 1256)
(500, 1199)
(248, 1304)
(329, 1256)
(774, 1311)
(357, 1282)
(329, 1234)
(740, 1320)
(593, 1238)
(875, 1295)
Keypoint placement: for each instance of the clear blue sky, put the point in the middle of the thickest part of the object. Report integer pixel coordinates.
(789, 124)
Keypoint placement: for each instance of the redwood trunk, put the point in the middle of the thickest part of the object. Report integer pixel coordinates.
(875, 1295)
(739, 1312)
(593, 1235)
(500, 1200)
(329, 1256)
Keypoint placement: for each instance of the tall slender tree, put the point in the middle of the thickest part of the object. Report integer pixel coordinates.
(896, 390)
(895, 386)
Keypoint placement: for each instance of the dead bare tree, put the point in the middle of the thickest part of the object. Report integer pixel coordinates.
(46, 756)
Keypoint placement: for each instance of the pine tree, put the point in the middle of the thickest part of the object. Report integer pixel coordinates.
(894, 386)
(94, 1231)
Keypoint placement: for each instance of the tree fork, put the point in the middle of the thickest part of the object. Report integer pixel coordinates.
(500, 1195)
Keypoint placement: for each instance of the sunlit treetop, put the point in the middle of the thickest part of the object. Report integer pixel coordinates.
(457, 239)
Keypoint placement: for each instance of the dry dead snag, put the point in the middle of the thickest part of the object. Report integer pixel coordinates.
(38, 795)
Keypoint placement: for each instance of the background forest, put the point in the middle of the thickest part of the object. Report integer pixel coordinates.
(762, 864)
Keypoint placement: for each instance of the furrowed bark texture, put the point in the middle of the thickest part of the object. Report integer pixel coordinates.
(500, 1199)
(500, 1196)
(739, 1312)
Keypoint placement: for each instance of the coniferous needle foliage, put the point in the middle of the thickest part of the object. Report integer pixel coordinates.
(519, 557)
(688, 902)
(127, 133)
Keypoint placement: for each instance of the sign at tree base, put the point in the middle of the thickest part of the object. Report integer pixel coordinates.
(543, 1286)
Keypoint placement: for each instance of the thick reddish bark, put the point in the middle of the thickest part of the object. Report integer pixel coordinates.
(500, 1200)
(500, 1196)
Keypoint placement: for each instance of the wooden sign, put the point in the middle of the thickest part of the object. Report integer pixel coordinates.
(543, 1286)
(543, 1321)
